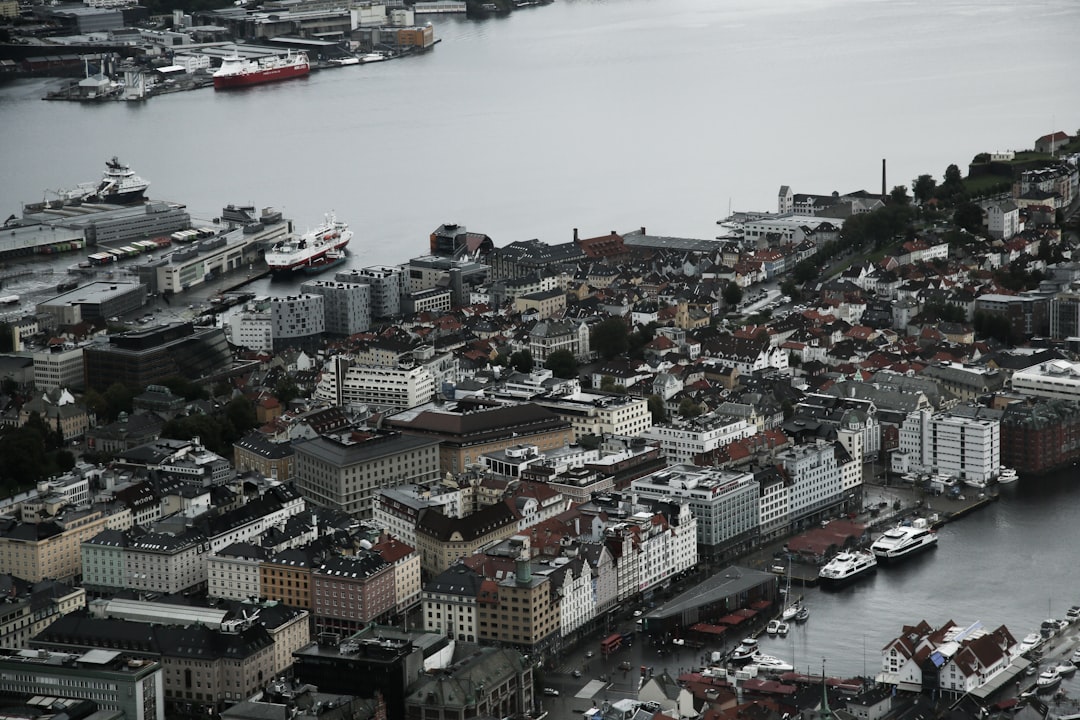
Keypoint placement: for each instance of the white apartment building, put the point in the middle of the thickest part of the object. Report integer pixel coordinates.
(816, 479)
(347, 306)
(397, 508)
(966, 448)
(665, 549)
(1059, 379)
(380, 388)
(233, 573)
(60, 369)
(449, 603)
(680, 440)
(597, 414)
(165, 563)
(605, 586)
(577, 603)
(724, 503)
(252, 329)
(774, 505)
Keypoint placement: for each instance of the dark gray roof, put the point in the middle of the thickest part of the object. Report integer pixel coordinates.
(457, 579)
(341, 454)
(732, 581)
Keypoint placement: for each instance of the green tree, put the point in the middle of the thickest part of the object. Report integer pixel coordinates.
(118, 398)
(657, 409)
(805, 271)
(733, 295)
(286, 390)
(952, 189)
(791, 289)
(186, 388)
(923, 188)
(899, 196)
(522, 361)
(968, 216)
(610, 338)
(688, 408)
(240, 413)
(563, 364)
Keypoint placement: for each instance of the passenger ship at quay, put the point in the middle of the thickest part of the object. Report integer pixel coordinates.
(300, 252)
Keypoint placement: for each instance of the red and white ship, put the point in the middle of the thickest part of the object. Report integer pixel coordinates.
(297, 253)
(240, 72)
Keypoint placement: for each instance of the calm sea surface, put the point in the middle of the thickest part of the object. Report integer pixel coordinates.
(613, 114)
(596, 114)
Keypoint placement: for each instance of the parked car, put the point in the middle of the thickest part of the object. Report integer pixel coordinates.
(551, 691)
(588, 653)
(576, 673)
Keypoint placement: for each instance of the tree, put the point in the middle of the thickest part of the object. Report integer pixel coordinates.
(657, 409)
(791, 289)
(733, 295)
(688, 408)
(118, 399)
(899, 196)
(240, 412)
(805, 271)
(610, 338)
(522, 361)
(286, 390)
(952, 189)
(968, 217)
(562, 363)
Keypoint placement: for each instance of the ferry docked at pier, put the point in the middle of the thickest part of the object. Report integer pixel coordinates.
(904, 541)
(236, 71)
(311, 248)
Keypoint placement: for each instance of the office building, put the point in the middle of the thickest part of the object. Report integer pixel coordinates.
(145, 357)
(347, 306)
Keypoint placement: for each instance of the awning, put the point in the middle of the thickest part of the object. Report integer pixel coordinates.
(708, 629)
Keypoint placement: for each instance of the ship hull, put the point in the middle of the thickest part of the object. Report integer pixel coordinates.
(303, 262)
(226, 82)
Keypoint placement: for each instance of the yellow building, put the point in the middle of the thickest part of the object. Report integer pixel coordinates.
(519, 610)
(52, 548)
(442, 540)
(286, 577)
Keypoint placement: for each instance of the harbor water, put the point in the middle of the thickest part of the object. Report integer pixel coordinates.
(595, 114)
(1009, 563)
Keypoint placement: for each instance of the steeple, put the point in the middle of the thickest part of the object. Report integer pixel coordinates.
(825, 713)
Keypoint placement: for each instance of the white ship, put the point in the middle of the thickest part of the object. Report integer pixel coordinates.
(297, 253)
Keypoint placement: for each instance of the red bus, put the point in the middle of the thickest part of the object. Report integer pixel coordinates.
(611, 643)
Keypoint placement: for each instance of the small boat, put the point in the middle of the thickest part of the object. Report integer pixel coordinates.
(331, 259)
(1066, 668)
(773, 627)
(1075, 657)
(783, 628)
(1073, 613)
(1048, 679)
(372, 57)
(803, 615)
(344, 61)
(1008, 475)
(791, 611)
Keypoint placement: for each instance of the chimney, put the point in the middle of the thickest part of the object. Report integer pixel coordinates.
(643, 230)
(884, 194)
(613, 233)
(575, 235)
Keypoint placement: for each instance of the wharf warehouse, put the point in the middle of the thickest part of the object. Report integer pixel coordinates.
(95, 301)
(92, 224)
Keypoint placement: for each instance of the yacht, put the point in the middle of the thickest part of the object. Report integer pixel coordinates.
(1075, 657)
(1030, 642)
(803, 615)
(745, 651)
(1065, 668)
(1048, 679)
(1008, 475)
(773, 627)
(847, 567)
(904, 541)
(768, 663)
(791, 611)
(783, 628)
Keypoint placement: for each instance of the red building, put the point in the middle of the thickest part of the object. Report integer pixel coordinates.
(351, 591)
(1041, 435)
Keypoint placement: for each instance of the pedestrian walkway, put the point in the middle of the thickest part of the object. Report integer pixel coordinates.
(591, 689)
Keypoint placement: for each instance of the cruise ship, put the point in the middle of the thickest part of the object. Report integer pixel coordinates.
(904, 541)
(309, 249)
(847, 567)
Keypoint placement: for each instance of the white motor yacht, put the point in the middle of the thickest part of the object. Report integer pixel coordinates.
(903, 541)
